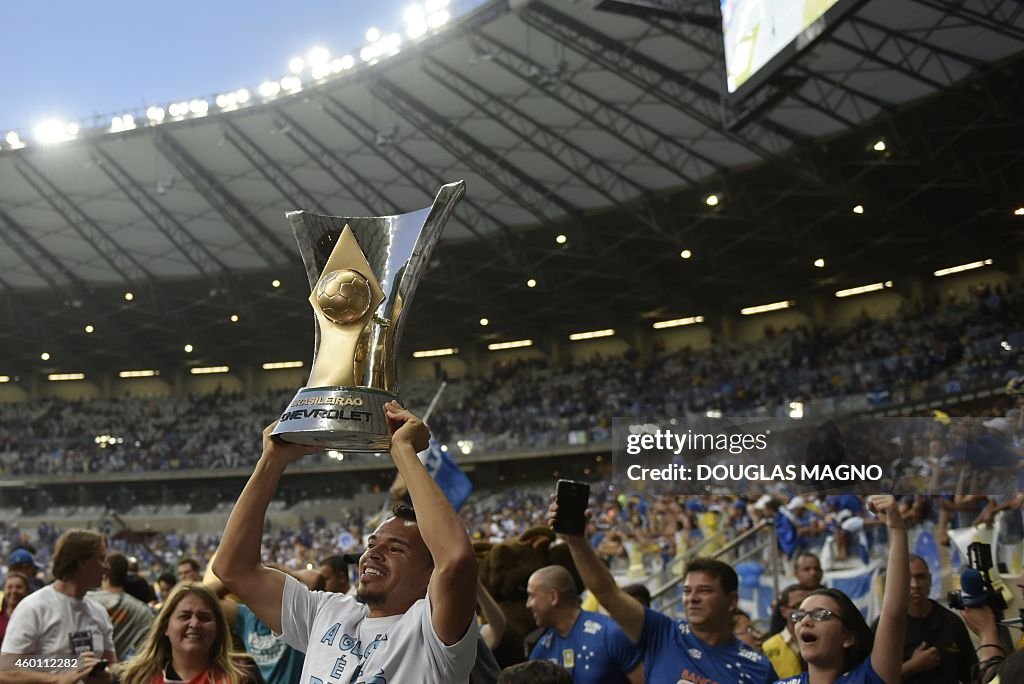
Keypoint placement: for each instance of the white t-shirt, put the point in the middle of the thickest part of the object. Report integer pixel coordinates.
(339, 639)
(49, 623)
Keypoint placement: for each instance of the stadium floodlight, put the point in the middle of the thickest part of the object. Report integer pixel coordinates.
(318, 56)
(128, 296)
(713, 413)
(711, 200)
(859, 209)
(296, 65)
(45, 356)
(532, 282)
(122, 123)
(209, 370)
(962, 267)
(1019, 211)
(233, 318)
(275, 283)
(765, 308)
(53, 131)
(879, 146)
(372, 34)
(138, 373)
(819, 263)
(189, 348)
(676, 322)
(199, 107)
(429, 353)
(320, 71)
(438, 19)
(269, 88)
(242, 96)
(89, 329)
(155, 114)
(863, 289)
(561, 239)
(14, 140)
(62, 377)
(590, 335)
(392, 44)
(515, 344)
(278, 365)
(685, 254)
(347, 62)
(5, 378)
(484, 321)
(226, 100)
(291, 83)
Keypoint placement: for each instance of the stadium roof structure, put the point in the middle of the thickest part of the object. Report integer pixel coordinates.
(564, 120)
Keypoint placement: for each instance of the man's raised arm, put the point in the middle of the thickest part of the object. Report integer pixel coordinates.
(452, 600)
(627, 612)
(238, 563)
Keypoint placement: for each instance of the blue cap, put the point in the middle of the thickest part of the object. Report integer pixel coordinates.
(21, 557)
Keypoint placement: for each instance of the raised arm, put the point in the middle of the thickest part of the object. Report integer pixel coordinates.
(494, 630)
(623, 608)
(887, 653)
(238, 562)
(455, 570)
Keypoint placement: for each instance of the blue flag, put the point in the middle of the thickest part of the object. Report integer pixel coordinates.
(447, 474)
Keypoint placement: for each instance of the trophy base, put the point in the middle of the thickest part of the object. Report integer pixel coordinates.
(343, 418)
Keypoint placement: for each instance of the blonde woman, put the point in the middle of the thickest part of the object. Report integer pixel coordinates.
(189, 642)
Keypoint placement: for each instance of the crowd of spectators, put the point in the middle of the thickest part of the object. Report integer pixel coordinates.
(533, 404)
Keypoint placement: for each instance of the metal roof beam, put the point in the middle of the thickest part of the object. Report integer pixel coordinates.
(529, 193)
(578, 162)
(421, 177)
(1001, 25)
(341, 173)
(262, 240)
(32, 252)
(195, 251)
(292, 192)
(658, 148)
(123, 263)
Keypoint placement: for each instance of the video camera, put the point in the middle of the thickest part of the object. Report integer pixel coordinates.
(976, 587)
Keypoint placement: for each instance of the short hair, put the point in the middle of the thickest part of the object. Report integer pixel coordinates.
(785, 593)
(167, 577)
(640, 593)
(117, 575)
(404, 512)
(535, 672)
(723, 571)
(804, 554)
(336, 563)
(558, 579)
(73, 548)
(915, 557)
(192, 563)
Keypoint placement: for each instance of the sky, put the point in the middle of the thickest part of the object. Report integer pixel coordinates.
(69, 59)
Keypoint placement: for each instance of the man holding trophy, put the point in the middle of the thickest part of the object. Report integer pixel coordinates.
(413, 620)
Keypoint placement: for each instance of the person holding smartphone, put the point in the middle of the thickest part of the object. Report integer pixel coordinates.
(700, 648)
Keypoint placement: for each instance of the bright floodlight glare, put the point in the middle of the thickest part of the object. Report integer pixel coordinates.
(820, 263)
(317, 56)
(199, 106)
(391, 44)
(685, 254)
(372, 34)
(189, 348)
(859, 209)
(438, 19)
(291, 83)
(155, 114)
(414, 15)
(320, 71)
(711, 200)
(45, 356)
(531, 283)
(241, 96)
(348, 61)
(276, 283)
(89, 329)
(879, 146)
(1019, 211)
(223, 101)
(484, 321)
(13, 139)
(270, 88)
(414, 31)
(128, 296)
(368, 54)
(561, 239)
(296, 65)
(52, 132)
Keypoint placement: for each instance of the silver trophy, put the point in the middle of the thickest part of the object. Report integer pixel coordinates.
(362, 274)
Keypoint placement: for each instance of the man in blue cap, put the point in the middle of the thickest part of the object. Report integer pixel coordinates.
(21, 560)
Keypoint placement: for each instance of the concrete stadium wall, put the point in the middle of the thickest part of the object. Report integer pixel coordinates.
(11, 393)
(70, 389)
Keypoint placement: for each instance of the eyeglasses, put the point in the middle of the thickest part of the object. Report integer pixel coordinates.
(749, 631)
(818, 615)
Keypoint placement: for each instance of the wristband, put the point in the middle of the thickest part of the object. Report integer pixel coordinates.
(991, 646)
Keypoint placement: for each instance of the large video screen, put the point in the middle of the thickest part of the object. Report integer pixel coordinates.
(755, 31)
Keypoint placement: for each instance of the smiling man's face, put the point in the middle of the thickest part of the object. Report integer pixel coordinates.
(395, 568)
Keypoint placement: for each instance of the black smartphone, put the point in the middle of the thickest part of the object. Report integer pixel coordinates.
(98, 667)
(572, 499)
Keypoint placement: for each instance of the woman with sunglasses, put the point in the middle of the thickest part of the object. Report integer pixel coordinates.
(834, 639)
